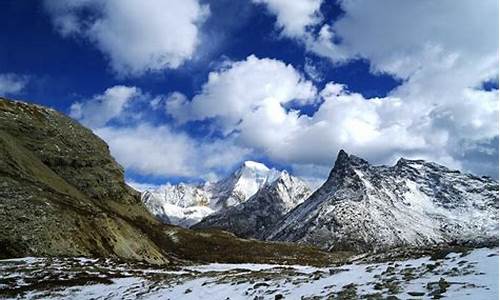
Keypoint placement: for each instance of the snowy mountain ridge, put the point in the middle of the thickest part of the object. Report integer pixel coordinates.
(187, 204)
(263, 210)
(413, 203)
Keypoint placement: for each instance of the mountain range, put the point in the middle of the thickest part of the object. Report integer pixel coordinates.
(250, 219)
(63, 195)
(360, 207)
(187, 204)
(413, 203)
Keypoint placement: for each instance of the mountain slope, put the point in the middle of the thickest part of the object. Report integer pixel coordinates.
(62, 194)
(185, 204)
(262, 210)
(414, 203)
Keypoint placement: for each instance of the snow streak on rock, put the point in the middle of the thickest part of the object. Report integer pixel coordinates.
(413, 203)
(263, 210)
(186, 204)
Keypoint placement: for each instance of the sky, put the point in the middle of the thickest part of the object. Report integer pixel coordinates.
(185, 90)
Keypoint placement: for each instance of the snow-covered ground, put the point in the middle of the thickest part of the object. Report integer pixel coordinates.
(467, 275)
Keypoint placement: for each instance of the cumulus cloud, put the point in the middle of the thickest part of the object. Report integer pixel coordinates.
(423, 42)
(158, 150)
(414, 35)
(12, 83)
(259, 85)
(136, 36)
(403, 38)
(248, 102)
(443, 51)
(312, 70)
(293, 17)
(151, 149)
(100, 109)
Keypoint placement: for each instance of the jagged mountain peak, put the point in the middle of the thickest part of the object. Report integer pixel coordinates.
(345, 163)
(346, 169)
(186, 204)
(413, 203)
(261, 211)
(405, 161)
(343, 158)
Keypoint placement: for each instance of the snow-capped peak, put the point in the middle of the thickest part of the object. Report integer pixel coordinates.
(260, 212)
(242, 184)
(237, 188)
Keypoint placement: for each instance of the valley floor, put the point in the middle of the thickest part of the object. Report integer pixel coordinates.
(466, 275)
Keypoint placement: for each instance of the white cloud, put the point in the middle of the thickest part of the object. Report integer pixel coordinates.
(293, 17)
(442, 50)
(423, 42)
(159, 151)
(312, 70)
(402, 37)
(99, 110)
(175, 103)
(136, 36)
(12, 83)
(254, 84)
(248, 100)
(120, 117)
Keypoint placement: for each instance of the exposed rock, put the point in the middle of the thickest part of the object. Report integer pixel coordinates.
(62, 193)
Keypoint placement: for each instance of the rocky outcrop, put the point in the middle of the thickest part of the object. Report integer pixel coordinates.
(413, 203)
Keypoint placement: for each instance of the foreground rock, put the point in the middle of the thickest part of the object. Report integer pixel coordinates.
(62, 194)
(414, 203)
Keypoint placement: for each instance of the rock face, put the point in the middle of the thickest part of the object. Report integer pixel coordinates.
(186, 204)
(62, 194)
(263, 210)
(414, 203)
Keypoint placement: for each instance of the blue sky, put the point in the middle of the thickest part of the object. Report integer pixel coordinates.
(186, 90)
